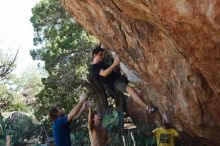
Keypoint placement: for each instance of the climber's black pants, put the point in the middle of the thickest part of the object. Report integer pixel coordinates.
(121, 84)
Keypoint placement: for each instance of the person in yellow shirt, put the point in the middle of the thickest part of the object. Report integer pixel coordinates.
(165, 136)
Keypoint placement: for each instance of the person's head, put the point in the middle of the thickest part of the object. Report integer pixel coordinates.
(97, 120)
(167, 125)
(98, 54)
(55, 112)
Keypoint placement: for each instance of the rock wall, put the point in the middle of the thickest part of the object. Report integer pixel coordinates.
(174, 47)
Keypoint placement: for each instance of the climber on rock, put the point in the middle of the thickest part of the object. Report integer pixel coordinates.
(113, 80)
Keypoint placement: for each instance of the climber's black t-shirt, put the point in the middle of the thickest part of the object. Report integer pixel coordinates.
(108, 80)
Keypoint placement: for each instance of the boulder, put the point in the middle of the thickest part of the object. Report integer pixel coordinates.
(174, 48)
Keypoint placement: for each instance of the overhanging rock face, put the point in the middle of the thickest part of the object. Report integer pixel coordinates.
(174, 47)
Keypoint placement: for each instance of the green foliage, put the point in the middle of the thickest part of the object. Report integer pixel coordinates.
(110, 120)
(20, 126)
(65, 48)
(2, 142)
(10, 97)
(80, 137)
(29, 83)
(6, 96)
(18, 91)
(7, 64)
(6, 67)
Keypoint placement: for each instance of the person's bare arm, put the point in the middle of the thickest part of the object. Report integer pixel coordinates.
(85, 106)
(90, 119)
(82, 109)
(76, 109)
(107, 71)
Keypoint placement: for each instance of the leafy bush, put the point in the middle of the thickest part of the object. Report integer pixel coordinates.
(20, 126)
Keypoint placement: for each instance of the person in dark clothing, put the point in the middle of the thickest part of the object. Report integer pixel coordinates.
(113, 80)
(61, 122)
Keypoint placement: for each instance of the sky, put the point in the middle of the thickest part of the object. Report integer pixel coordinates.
(16, 31)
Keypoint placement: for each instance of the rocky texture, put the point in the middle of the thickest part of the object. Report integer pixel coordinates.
(174, 47)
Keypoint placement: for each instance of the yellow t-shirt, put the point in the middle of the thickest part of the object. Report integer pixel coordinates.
(165, 137)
